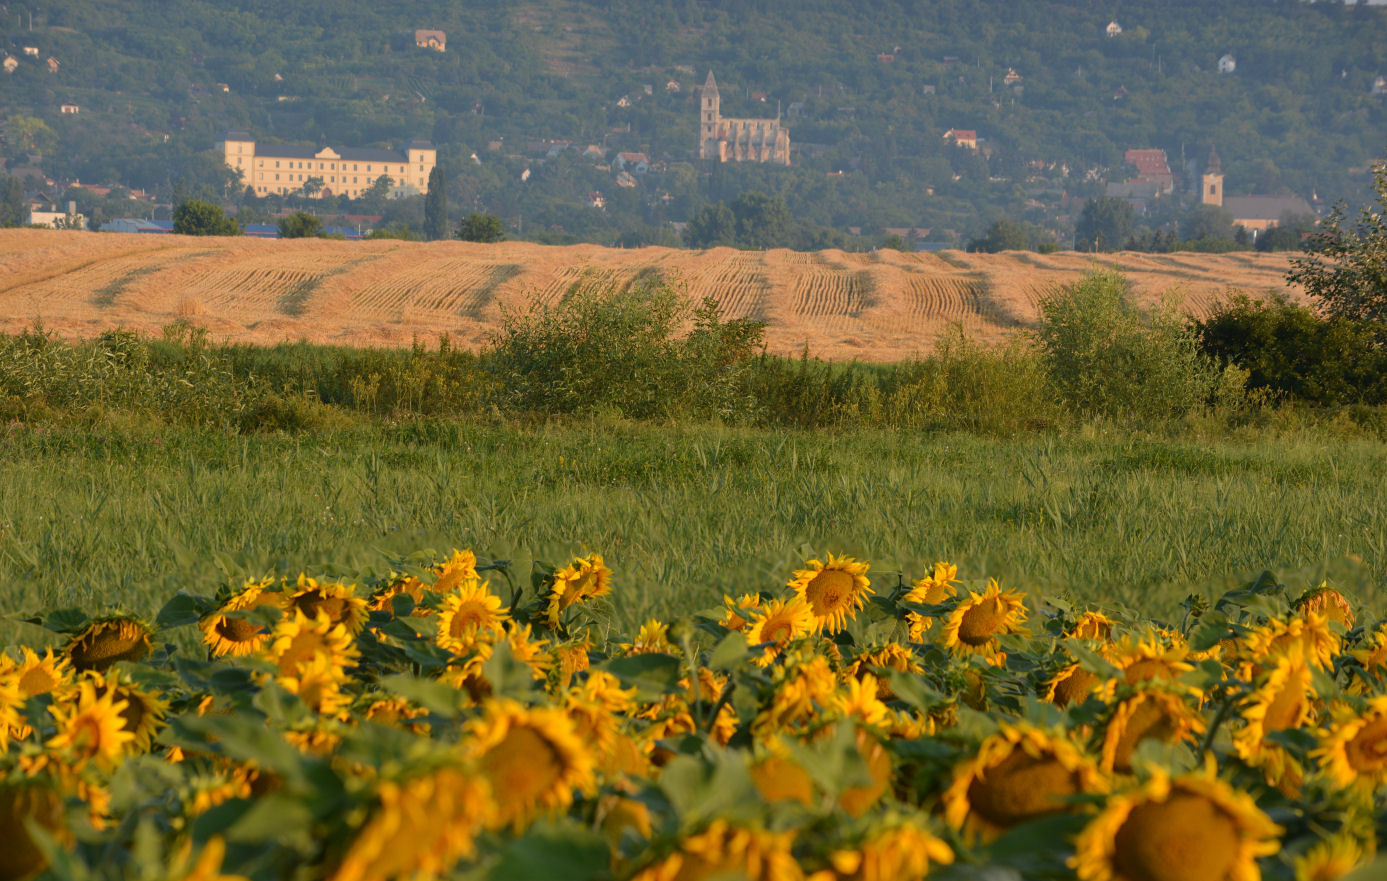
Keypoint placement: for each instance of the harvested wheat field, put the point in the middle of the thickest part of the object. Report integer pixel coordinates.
(877, 306)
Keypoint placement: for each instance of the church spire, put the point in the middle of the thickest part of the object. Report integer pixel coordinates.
(710, 85)
(1212, 165)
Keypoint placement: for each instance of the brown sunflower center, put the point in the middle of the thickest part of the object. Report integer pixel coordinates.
(1148, 719)
(133, 714)
(314, 600)
(37, 681)
(522, 767)
(20, 857)
(829, 592)
(1184, 838)
(1367, 751)
(777, 629)
(982, 621)
(1074, 687)
(1021, 787)
(105, 644)
(237, 630)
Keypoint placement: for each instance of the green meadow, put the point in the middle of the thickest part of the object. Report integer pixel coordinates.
(123, 517)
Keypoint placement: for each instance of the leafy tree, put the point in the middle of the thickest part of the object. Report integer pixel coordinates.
(11, 202)
(477, 227)
(1002, 235)
(374, 196)
(29, 133)
(436, 206)
(763, 221)
(313, 186)
(198, 218)
(1346, 270)
(1104, 224)
(712, 226)
(1207, 222)
(300, 225)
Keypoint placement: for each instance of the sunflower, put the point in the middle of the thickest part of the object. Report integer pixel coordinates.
(470, 614)
(11, 700)
(583, 579)
(619, 815)
(857, 699)
(1331, 859)
(396, 712)
(739, 611)
(1283, 700)
(298, 639)
(459, 568)
(228, 635)
(1151, 713)
(39, 674)
(1352, 750)
(1147, 657)
(144, 711)
(91, 727)
(1071, 685)
(531, 757)
(834, 591)
(1328, 602)
(399, 585)
(338, 601)
(318, 682)
(108, 641)
(779, 778)
(857, 800)
(974, 625)
(1092, 625)
(903, 851)
(805, 684)
(1192, 828)
(1019, 774)
(776, 624)
(726, 851)
(653, 637)
(419, 828)
(930, 590)
(569, 660)
(207, 866)
(1373, 659)
(22, 803)
(885, 658)
(1308, 634)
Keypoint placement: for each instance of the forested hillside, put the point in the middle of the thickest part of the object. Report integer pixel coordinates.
(867, 90)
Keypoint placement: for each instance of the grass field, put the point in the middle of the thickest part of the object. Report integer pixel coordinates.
(124, 518)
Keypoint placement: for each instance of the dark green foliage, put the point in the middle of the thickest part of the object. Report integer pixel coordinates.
(477, 227)
(11, 201)
(1105, 224)
(1289, 350)
(436, 207)
(1207, 222)
(198, 218)
(711, 227)
(1111, 358)
(300, 225)
(1001, 235)
(1346, 269)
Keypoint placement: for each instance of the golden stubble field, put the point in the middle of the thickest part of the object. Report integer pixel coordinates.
(876, 307)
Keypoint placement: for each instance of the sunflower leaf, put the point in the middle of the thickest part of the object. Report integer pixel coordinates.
(652, 674)
(553, 849)
(182, 609)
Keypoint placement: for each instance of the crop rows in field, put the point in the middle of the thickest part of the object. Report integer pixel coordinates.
(739, 284)
(822, 295)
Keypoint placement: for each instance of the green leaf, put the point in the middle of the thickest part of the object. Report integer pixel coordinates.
(61, 620)
(437, 698)
(729, 653)
(273, 817)
(653, 675)
(1211, 627)
(554, 849)
(715, 785)
(183, 609)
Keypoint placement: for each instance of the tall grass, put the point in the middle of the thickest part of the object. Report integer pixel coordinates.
(100, 517)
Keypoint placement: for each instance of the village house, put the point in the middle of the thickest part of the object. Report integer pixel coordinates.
(1379, 86)
(349, 171)
(596, 200)
(10, 63)
(738, 140)
(31, 51)
(1012, 78)
(68, 107)
(53, 64)
(636, 162)
(1256, 214)
(962, 137)
(429, 39)
(594, 153)
(673, 87)
(1113, 29)
(1227, 64)
(51, 215)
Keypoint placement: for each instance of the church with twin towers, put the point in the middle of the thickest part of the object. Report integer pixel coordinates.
(738, 140)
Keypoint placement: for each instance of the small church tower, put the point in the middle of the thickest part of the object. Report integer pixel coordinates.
(1211, 184)
(710, 116)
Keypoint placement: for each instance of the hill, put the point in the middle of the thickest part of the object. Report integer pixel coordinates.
(866, 90)
(879, 306)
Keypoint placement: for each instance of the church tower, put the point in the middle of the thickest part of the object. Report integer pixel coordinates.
(709, 119)
(1211, 184)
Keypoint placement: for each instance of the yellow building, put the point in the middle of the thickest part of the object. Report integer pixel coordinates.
(348, 172)
(738, 140)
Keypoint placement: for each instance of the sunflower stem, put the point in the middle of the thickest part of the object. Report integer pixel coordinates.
(1224, 709)
(723, 700)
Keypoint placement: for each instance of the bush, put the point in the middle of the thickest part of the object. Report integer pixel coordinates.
(616, 348)
(1108, 357)
(1289, 350)
(481, 228)
(300, 225)
(1346, 270)
(195, 218)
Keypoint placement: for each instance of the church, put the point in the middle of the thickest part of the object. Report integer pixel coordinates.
(738, 140)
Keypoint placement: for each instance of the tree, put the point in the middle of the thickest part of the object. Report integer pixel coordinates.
(11, 202)
(477, 227)
(1207, 222)
(1346, 270)
(30, 134)
(313, 186)
(763, 221)
(300, 225)
(1104, 224)
(374, 196)
(197, 218)
(436, 207)
(1002, 235)
(712, 226)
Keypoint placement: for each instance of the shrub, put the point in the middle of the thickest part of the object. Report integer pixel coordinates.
(1288, 349)
(1346, 270)
(1109, 357)
(300, 225)
(195, 218)
(481, 228)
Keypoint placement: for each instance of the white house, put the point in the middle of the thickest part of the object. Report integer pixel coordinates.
(1379, 86)
(32, 50)
(10, 63)
(67, 107)
(69, 219)
(1113, 29)
(1227, 64)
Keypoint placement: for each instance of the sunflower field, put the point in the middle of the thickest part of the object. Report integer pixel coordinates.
(460, 719)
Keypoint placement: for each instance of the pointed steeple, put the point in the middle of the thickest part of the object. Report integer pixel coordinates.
(1211, 165)
(710, 85)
